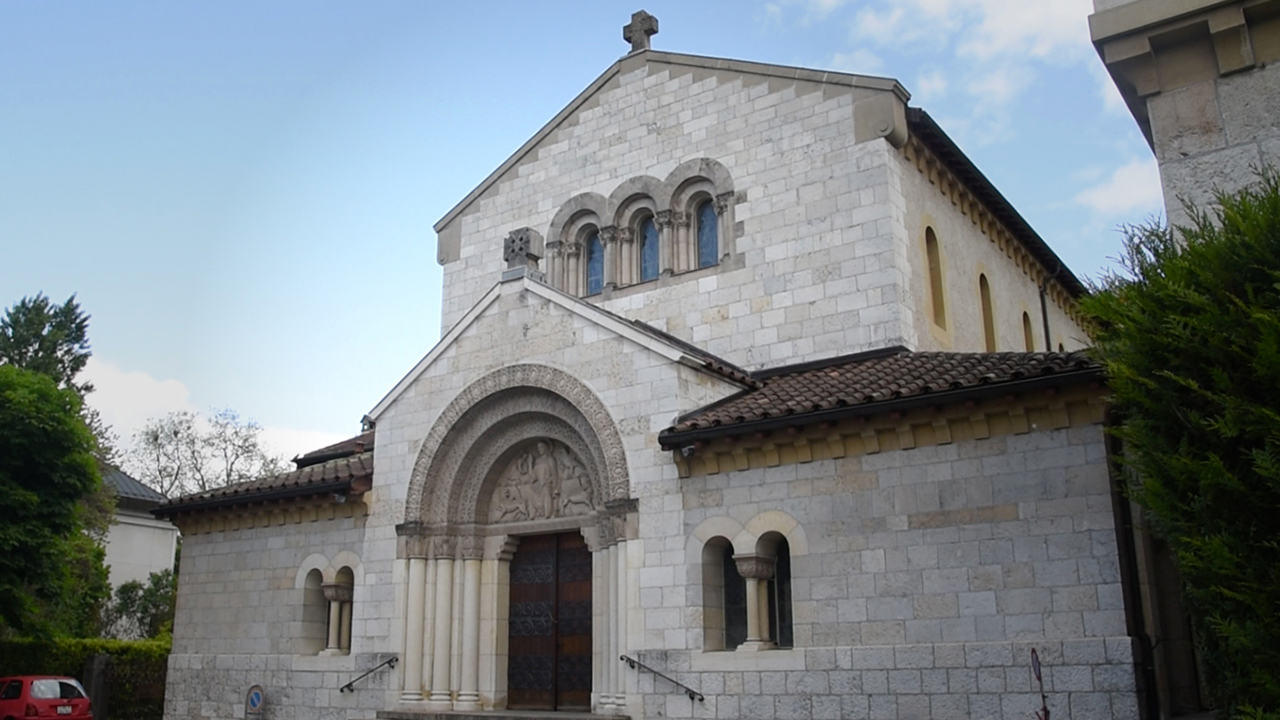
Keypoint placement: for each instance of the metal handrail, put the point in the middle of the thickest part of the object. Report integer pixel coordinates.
(693, 694)
(389, 662)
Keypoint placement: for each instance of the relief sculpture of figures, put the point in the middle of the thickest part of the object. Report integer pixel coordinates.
(548, 481)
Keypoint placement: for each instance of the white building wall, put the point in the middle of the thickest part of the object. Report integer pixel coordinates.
(137, 545)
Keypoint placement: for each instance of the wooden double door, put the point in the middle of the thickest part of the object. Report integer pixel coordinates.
(549, 645)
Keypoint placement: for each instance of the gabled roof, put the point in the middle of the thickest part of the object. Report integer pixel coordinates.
(874, 382)
(347, 468)
(670, 347)
(764, 70)
(126, 487)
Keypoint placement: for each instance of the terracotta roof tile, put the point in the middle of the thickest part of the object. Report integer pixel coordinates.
(874, 378)
(348, 467)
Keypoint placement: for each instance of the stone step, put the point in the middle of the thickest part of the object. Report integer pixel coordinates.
(493, 715)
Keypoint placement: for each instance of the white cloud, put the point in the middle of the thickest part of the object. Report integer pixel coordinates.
(861, 61)
(999, 85)
(290, 442)
(1046, 30)
(126, 400)
(930, 86)
(1132, 188)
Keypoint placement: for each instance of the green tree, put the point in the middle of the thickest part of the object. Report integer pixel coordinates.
(50, 339)
(46, 468)
(143, 611)
(1189, 333)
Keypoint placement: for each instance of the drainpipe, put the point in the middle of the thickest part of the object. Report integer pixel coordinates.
(1044, 305)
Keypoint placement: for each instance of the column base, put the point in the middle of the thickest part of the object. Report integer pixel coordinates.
(331, 652)
(467, 702)
(756, 646)
(439, 701)
(411, 697)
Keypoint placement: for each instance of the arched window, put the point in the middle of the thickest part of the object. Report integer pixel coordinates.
(935, 278)
(780, 623)
(1027, 335)
(595, 263)
(648, 249)
(988, 320)
(724, 597)
(708, 243)
(315, 615)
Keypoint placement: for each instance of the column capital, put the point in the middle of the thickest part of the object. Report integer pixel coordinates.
(608, 234)
(443, 547)
(681, 219)
(756, 567)
(471, 547)
(724, 201)
(663, 218)
(626, 235)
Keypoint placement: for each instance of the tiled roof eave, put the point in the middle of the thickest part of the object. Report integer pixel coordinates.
(671, 440)
(273, 494)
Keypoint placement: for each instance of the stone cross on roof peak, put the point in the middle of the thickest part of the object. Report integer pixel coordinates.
(637, 32)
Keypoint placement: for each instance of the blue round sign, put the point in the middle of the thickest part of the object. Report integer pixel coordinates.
(253, 701)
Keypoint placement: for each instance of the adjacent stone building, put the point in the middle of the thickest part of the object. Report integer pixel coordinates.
(1201, 79)
(755, 400)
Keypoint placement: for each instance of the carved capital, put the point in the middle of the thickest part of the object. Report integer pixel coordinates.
(555, 248)
(608, 235)
(336, 592)
(724, 201)
(471, 547)
(573, 249)
(444, 547)
(681, 219)
(663, 218)
(755, 566)
(626, 235)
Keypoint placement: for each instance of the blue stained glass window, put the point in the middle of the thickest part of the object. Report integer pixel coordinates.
(648, 250)
(595, 264)
(707, 244)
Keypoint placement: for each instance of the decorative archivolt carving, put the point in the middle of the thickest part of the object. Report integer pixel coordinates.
(543, 482)
(513, 395)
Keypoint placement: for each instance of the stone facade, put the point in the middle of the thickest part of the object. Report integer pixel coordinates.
(1201, 80)
(929, 545)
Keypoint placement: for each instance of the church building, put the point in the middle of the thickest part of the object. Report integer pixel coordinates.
(754, 399)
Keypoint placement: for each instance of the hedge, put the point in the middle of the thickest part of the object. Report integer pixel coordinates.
(136, 672)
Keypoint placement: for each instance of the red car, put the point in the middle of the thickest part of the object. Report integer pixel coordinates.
(43, 696)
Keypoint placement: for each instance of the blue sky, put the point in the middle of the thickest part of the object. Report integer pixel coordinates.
(241, 194)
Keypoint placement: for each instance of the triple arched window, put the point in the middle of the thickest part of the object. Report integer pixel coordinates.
(646, 229)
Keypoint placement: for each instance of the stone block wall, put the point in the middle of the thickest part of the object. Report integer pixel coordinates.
(929, 574)
(818, 268)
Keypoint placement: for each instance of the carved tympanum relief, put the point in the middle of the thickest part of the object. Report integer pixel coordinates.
(544, 481)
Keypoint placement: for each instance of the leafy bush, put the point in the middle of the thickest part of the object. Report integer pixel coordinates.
(1190, 338)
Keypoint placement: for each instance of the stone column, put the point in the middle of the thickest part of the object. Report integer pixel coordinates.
(724, 224)
(441, 698)
(338, 595)
(666, 243)
(756, 570)
(687, 243)
(415, 613)
(573, 270)
(627, 272)
(620, 619)
(469, 687)
(555, 265)
(609, 241)
(609, 570)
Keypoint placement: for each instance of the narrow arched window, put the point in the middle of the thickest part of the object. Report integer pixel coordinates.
(648, 249)
(780, 623)
(708, 244)
(315, 616)
(988, 320)
(935, 278)
(735, 602)
(1027, 335)
(595, 264)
